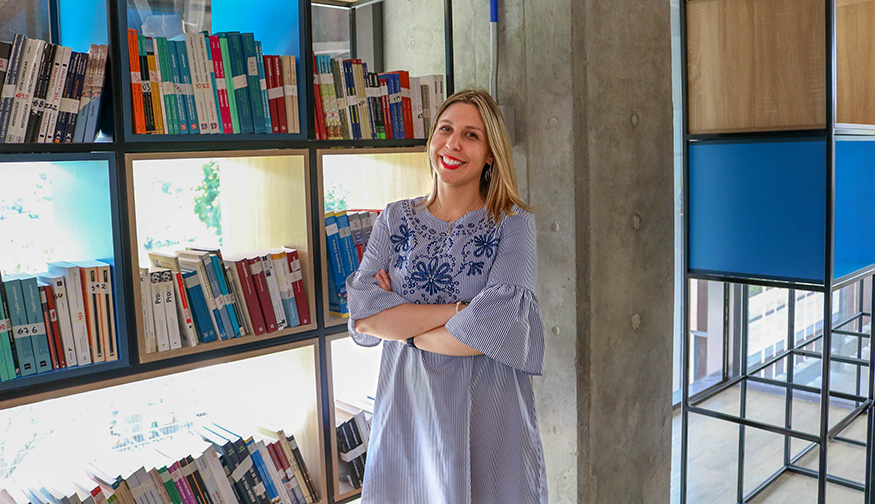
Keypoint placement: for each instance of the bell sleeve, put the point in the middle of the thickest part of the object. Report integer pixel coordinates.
(503, 321)
(364, 295)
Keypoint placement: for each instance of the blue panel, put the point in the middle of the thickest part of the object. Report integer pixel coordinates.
(855, 197)
(758, 209)
(82, 23)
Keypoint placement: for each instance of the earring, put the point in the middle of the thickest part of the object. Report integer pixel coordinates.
(488, 175)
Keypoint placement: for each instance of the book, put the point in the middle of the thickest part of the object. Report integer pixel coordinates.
(75, 300)
(155, 87)
(321, 133)
(180, 89)
(19, 116)
(8, 358)
(195, 66)
(256, 270)
(298, 284)
(206, 57)
(159, 312)
(200, 309)
(283, 274)
(271, 280)
(187, 86)
(149, 335)
(21, 329)
(277, 93)
(200, 262)
(164, 68)
(170, 308)
(62, 311)
(262, 83)
(50, 316)
(183, 310)
(138, 117)
(10, 82)
(237, 290)
(148, 103)
(256, 100)
(41, 89)
(289, 73)
(336, 67)
(39, 335)
(274, 94)
(97, 313)
(5, 50)
(222, 86)
(229, 82)
(242, 276)
(240, 79)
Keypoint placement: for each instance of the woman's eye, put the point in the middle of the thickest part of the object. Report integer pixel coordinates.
(472, 135)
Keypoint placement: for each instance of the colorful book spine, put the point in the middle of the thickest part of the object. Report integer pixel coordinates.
(221, 84)
(199, 308)
(7, 353)
(262, 84)
(241, 83)
(21, 329)
(178, 88)
(187, 87)
(250, 58)
(10, 83)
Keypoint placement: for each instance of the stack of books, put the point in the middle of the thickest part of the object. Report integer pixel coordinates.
(59, 319)
(353, 431)
(347, 233)
(353, 104)
(50, 93)
(230, 470)
(196, 296)
(220, 83)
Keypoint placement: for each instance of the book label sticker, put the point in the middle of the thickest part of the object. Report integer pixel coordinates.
(252, 63)
(256, 267)
(4, 64)
(352, 101)
(263, 84)
(28, 330)
(290, 90)
(331, 229)
(97, 288)
(69, 105)
(395, 98)
(241, 469)
(211, 303)
(135, 78)
(239, 81)
(5, 325)
(221, 85)
(274, 93)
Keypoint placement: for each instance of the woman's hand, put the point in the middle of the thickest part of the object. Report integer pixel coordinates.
(383, 280)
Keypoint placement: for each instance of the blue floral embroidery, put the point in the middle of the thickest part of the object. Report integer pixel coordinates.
(433, 276)
(402, 241)
(474, 268)
(399, 261)
(485, 244)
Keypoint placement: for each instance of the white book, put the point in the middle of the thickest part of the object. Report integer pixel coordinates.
(416, 104)
(436, 93)
(148, 316)
(283, 274)
(162, 337)
(197, 83)
(209, 74)
(53, 97)
(62, 309)
(210, 481)
(76, 303)
(27, 77)
(237, 290)
(223, 485)
(170, 307)
(273, 289)
(87, 85)
(183, 308)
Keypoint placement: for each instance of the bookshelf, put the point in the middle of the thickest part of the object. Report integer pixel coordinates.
(777, 162)
(271, 196)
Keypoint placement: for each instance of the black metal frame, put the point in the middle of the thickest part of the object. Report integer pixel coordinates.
(124, 143)
(863, 404)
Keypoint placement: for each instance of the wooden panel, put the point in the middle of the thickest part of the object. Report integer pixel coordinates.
(755, 65)
(855, 61)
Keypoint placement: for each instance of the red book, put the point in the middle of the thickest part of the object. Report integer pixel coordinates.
(280, 96)
(56, 327)
(250, 296)
(269, 78)
(406, 103)
(321, 133)
(221, 86)
(48, 323)
(260, 282)
(384, 103)
(298, 285)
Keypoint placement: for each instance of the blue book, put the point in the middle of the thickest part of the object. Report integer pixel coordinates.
(336, 302)
(250, 56)
(20, 327)
(354, 116)
(212, 71)
(188, 92)
(351, 257)
(38, 335)
(262, 83)
(200, 311)
(7, 359)
(396, 105)
(181, 98)
(263, 472)
(335, 252)
(223, 321)
(162, 60)
(219, 271)
(291, 309)
(241, 82)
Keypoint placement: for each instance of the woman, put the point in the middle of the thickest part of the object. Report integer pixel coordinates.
(446, 283)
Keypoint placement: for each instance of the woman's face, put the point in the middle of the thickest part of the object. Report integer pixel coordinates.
(459, 149)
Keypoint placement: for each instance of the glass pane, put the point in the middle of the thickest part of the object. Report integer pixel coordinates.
(331, 31)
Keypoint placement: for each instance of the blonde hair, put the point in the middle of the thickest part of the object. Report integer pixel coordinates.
(500, 192)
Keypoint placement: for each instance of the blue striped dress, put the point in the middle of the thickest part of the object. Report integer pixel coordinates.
(454, 429)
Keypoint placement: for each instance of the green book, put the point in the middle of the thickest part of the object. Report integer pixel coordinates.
(7, 359)
(229, 82)
(166, 72)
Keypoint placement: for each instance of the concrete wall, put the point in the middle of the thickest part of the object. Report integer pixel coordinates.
(590, 85)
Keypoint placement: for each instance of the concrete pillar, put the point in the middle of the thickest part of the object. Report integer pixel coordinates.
(590, 84)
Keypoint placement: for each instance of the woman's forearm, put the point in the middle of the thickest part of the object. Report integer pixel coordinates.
(406, 320)
(439, 340)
